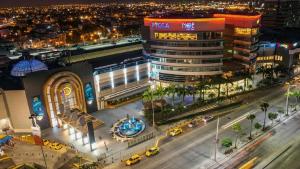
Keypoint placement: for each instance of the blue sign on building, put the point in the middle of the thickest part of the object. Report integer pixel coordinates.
(89, 94)
(37, 106)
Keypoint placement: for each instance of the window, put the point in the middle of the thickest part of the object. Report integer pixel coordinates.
(246, 31)
(175, 36)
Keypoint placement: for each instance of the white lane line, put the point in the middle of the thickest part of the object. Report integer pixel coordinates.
(236, 120)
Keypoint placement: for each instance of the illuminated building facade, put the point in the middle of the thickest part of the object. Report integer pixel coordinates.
(280, 49)
(183, 49)
(116, 81)
(241, 37)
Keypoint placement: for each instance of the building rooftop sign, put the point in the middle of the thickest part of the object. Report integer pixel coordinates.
(189, 24)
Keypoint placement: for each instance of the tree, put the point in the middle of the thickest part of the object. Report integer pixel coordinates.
(272, 116)
(160, 92)
(296, 94)
(171, 90)
(257, 126)
(226, 142)
(251, 117)
(264, 107)
(148, 95)
(236, 127)
(181, 91)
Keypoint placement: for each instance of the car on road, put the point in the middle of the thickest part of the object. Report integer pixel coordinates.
(152, 151)
(175, 131)
(133, 159)
(207, 118)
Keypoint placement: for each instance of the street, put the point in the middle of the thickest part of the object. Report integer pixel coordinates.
(195, 149)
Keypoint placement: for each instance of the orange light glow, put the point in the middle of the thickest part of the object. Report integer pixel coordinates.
(198, 24)
(245, 21)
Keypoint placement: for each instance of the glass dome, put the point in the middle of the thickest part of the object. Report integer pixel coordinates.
(27, 66)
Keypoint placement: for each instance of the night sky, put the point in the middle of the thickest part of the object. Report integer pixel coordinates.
(16, 3)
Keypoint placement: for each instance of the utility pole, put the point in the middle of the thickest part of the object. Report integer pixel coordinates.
(217, 138)
(153, 122)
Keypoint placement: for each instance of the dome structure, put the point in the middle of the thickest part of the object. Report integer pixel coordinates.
(27, 66)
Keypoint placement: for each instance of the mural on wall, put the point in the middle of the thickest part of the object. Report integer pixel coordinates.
(88, 91)
(37, 107)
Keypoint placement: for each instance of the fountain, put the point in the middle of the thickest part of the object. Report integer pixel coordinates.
(128, 128)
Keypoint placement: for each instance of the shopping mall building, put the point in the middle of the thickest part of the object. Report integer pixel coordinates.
(188, 49)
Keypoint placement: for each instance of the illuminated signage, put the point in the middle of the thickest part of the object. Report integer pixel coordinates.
(88, 91)
(189, 26)
(160, 25)
(37, 107)
(67, 90)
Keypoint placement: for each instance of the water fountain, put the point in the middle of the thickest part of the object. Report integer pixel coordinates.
(128, 128)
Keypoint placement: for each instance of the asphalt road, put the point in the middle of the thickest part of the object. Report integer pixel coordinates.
(195, 150)
(289, 159)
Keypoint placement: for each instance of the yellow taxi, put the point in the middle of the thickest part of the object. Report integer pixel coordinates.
(175, 131)
(152, 151)
(46, 142)
(56, 146)
(133, 159)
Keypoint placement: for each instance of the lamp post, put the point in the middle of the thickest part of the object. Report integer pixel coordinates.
(153, 119)
(287, 99)
(217, 139)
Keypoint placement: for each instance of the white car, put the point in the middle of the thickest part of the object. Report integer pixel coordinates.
(207, 118)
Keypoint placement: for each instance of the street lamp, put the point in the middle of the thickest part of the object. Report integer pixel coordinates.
(287, 98)
(217, 138)
(152, 88)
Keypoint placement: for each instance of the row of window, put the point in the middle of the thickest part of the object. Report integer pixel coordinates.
(188, 61)
(187, 36)
(246, 31)
(191, 53)
(188, 69)
(269, 58)
(188, 44)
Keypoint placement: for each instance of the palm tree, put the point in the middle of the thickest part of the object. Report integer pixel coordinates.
(272, 116)
(160, 92)
(296, 94)
(182, 91)
(251, 117)
(218, 80)
(262, 70)
(148, 95)
(264, 107)
(171, 90)
(236, 127)
(199, 87)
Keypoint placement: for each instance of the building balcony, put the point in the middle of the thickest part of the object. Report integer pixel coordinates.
(187, 48)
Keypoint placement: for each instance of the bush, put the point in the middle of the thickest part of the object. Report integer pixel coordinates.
(226, 142)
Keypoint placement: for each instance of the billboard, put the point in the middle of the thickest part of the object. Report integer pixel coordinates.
(185, 25)
(89, 93)
(37, 107)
